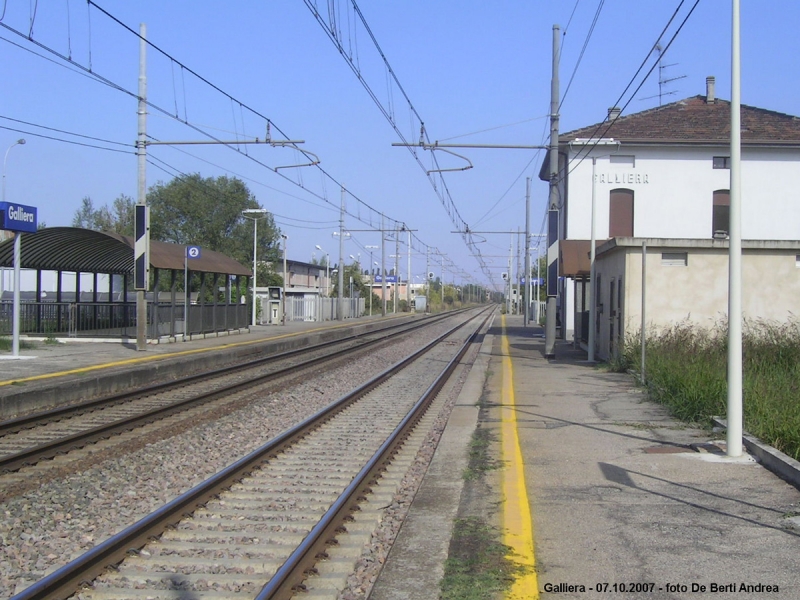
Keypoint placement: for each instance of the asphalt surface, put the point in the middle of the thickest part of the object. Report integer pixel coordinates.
(625, 501)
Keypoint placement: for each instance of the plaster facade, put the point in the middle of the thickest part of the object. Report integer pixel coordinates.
(695, 291)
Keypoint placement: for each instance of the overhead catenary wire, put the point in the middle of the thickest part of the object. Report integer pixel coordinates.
(583, 50)
(434, 176)
(50, 137)
(606, 125)
(89, 73)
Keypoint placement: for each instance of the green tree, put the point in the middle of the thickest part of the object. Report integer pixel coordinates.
(360, 288)
(208, 212)
(117, 218)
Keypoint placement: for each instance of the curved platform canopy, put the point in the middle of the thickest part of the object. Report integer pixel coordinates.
(86, 251)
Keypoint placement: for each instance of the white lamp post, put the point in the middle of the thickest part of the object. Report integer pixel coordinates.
(371, 279)
(593, 290)
(19, 142)
(327, 269)
(283, 296)
(17, 251)
(262, 212)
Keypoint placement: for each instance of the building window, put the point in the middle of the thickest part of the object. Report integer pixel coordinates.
(721, 162)
(625, 160)
(620, 217)
(674, 259)
(721, 215)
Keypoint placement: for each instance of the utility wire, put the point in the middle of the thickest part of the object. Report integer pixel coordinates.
(93, 75)
(443, 194)
(87, 137)
(606, 125)
(583, 50)
(50, 137)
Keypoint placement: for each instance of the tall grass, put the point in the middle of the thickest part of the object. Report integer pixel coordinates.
(686, 370)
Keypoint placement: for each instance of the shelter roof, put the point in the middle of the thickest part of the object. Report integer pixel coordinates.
(87, 251)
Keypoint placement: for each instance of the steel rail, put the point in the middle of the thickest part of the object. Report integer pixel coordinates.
(64, 582)
(289, 578)
(46, 450)
(57, 414)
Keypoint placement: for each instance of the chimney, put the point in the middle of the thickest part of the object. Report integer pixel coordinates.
(710, 90)
(613, 113)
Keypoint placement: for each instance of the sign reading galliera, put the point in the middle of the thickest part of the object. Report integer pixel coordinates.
(17, 217)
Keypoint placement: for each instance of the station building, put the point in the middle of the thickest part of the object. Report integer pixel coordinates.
(662, 177)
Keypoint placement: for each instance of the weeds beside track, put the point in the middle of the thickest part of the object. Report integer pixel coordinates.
(686, 369)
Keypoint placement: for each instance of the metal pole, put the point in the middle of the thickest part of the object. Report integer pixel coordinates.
(510, 273)
(552, 307)
(283, 296)
(141, 152)
(734, 432)
(383, 266)
(255, 250)
(16, 309)
(527, 303)
(644, 306)
(408, 283)
(592, 287)
(427, 278)
(396, 268)
(371, 279)
(339, 306)
(185, 293)
(442, 281)
(19, 142)
(517, 279)
(372, 271)
(537, 289)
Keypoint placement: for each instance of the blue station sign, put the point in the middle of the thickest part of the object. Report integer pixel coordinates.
(17, 217)
(389, 279)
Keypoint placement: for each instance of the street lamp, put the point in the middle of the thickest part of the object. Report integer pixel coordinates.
(371, 279)
(283, 296)
(262, 212)
(17, 251)
(327, 270)
(593, 289)
(20, 142)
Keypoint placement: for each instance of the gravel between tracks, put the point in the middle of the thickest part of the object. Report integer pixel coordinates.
(46, 528)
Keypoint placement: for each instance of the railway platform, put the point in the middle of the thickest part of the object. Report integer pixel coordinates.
(52, 374)
(598, 492)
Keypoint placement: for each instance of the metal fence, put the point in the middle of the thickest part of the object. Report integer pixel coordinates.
(322, 309)
(118, 319)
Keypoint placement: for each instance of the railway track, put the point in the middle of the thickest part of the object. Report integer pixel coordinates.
(258, 528)
(28, 440)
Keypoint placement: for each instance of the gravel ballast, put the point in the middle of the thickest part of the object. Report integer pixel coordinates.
(44, 529)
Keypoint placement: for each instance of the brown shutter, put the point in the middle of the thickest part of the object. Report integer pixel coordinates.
(620, 222)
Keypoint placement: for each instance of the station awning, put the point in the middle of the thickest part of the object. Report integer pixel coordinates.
(73, 249)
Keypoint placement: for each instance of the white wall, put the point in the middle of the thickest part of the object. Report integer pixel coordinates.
(673, 192)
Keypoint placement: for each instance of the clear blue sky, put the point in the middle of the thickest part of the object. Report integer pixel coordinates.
(467, 66)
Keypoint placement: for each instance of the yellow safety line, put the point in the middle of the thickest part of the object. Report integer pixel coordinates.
(133, 361)
(517, 521)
